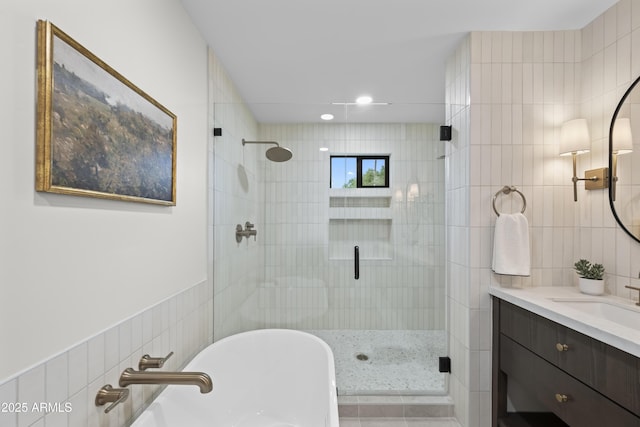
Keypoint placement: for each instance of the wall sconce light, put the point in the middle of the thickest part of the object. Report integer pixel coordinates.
(622, 143)
(574, 140)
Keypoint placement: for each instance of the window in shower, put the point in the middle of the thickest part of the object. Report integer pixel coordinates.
(359, 172)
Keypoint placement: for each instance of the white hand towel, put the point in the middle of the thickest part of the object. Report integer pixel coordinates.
(511, 254)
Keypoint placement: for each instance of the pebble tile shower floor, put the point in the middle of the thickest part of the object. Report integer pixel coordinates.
(378, 362)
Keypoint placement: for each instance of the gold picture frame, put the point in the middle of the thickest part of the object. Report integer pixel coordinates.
(97, 134)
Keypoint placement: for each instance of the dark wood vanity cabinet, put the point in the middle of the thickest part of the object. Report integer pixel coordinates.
(579, 380)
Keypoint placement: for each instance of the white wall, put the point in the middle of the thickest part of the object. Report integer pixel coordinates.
(71, 266)
(521, 87)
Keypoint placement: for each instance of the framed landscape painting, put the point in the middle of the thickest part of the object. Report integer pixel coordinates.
(97, 134)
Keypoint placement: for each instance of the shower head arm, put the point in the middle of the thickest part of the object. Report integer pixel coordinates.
(260, 142)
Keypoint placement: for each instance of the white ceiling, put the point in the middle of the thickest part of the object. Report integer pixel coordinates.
(291, 59)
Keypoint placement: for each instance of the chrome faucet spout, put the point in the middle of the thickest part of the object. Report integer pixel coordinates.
(200, 379)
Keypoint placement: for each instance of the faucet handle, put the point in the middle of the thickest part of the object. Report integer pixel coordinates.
(147, 361)
(249, 229)
(108, 394)
(636, 288)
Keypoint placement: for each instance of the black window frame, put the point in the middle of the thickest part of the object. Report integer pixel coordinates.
(359, 172)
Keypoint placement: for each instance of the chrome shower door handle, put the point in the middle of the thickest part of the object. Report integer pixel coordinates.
(356, 260)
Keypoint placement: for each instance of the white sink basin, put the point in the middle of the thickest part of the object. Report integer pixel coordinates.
(625, 315)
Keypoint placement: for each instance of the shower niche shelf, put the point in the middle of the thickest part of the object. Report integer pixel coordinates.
(351, 203)
(359, 213)
(360, 202)
(361, 193)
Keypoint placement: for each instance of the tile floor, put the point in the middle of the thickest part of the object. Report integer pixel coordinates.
(399, 422)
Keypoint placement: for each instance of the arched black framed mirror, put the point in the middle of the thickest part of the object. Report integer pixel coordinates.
(624, 162)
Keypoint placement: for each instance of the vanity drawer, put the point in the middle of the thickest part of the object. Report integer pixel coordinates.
(584, 406)
(536, 333)
(617, 375)
(576, 354)
(557, 344)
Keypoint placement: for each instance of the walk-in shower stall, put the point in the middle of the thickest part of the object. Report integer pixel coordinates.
(349, 241)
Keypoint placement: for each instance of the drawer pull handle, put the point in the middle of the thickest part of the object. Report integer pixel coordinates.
(562, 347)
(561, 398)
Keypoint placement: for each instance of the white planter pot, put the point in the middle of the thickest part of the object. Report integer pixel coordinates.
(591, 286)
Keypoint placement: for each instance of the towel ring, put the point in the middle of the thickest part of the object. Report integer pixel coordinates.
(506, 190)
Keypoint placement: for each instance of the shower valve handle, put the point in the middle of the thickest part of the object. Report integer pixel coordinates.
(248, 228)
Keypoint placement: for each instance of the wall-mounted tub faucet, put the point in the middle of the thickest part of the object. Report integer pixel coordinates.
(200, 379)
(634, 288)
(248, 231)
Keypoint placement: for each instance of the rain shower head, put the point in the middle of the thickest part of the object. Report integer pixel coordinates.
(275, 154)
(278, 154)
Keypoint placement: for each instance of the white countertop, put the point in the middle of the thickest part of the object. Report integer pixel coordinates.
(539, 300)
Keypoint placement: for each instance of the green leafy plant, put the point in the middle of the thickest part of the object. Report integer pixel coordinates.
(585, 269)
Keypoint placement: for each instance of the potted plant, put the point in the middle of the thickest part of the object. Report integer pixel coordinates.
(591, 277)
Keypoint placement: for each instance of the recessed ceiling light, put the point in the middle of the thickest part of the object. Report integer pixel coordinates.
(324, 149)
(365, 99)
(327, 116)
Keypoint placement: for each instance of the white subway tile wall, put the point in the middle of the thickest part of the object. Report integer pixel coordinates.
(508, 93)
(68, 382)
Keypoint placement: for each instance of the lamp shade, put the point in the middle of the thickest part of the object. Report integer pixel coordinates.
(621, 139)
(574, 137)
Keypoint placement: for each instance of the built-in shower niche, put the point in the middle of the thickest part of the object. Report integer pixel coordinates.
(372, 236)
(360, 220)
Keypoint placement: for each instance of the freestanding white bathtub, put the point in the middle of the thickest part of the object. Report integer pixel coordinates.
(261, 378)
